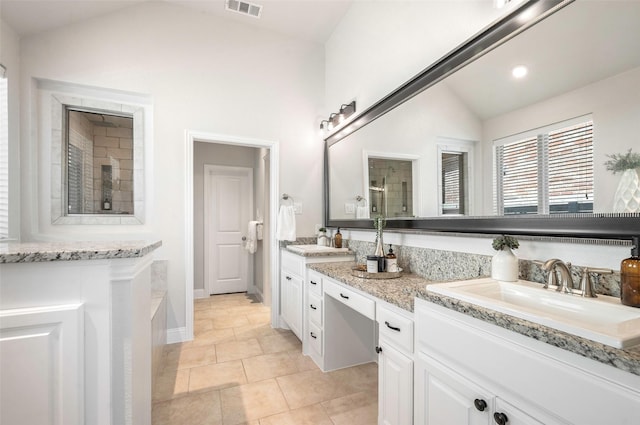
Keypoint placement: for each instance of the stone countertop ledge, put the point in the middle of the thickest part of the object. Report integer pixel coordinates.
(401, 292)
(34, 252)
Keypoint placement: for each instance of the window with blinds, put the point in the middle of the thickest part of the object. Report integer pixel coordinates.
(547, 173)
(453, 183)
(4, 156)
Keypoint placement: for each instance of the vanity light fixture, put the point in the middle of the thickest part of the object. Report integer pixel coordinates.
(346, 110)
(336, 118)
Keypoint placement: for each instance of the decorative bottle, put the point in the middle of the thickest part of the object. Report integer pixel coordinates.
(630, 277)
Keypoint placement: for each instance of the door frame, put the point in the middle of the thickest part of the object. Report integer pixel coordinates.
(247, 172)
(192, 136)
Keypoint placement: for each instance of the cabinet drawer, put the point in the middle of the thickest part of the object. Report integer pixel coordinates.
(359, 303)
(292, 263)
(315, 309)
(315, 338)
(314, 282)
(395, 328)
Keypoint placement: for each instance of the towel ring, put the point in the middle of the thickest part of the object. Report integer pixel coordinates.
(360, 199)
(287, 197)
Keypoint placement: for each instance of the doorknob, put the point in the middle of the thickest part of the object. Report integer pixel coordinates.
(244, 238)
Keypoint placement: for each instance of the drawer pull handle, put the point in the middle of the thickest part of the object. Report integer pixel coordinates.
(500, 418)
(378, 350)
(313, 335)
(393, 328)
(480, 404)
(313, 307)
(344, 296)
(288, 277)
(313, 283)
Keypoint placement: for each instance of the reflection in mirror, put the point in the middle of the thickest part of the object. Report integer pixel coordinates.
(390, 183)
(583, 61)
(99, 162)
(453, 175)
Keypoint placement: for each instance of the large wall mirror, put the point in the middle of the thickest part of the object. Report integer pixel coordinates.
(517, 140)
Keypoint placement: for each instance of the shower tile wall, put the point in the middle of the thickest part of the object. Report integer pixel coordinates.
(114, 146)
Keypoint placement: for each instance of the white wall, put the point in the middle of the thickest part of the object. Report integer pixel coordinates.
(203, 73)
(380, 45)
(10, 58)
(377, 47)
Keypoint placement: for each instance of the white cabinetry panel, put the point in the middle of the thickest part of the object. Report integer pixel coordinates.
(395, 386)
(41, 364)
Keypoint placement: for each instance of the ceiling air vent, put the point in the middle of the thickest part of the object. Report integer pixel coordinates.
(244, 7)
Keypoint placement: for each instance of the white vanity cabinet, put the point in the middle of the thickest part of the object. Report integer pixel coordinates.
(471, 372)
(395, 365)
(293, 275)
(291, 278)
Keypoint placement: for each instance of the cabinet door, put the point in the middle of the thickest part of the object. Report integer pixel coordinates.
(42, 364)
(395, 386)
(445, 398)
(291, 298)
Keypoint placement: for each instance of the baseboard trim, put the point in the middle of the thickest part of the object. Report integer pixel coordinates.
(258, 293)
(199, 293)
(177, 335)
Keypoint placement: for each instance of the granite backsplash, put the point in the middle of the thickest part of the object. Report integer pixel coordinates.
(439, 265)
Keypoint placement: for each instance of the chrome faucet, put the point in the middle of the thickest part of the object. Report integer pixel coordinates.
(566, 282)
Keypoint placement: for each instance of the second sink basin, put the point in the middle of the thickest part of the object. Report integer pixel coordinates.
(310, 249)
(603, 319)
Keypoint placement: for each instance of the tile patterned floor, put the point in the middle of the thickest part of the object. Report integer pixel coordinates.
(238, 370)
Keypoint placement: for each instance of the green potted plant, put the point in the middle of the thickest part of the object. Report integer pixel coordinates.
(627, 196)
(504, 265)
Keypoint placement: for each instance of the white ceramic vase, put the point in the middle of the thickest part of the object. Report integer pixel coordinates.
(627, 197)
(504, 266)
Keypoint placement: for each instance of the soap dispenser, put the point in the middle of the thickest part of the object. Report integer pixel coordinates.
(630, 276)
(337, 239)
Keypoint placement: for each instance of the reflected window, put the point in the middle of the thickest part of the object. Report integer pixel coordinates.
(547, 172)
(4, 155)
(99, 162)
(454, 183)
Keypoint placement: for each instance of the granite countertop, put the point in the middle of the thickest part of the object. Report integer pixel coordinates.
(35, 252)
(401, 292)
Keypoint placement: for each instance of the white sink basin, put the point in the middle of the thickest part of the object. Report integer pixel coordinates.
(603, 319)
(312, 249)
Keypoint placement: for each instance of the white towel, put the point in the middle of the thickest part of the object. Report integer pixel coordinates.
(252, 237)
(362, 211)
(286, 226)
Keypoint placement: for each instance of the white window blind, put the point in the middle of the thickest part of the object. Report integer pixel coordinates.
(4, 156)
(547, 173)
(453, 180)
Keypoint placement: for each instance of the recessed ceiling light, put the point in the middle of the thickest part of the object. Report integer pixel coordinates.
(519, 71)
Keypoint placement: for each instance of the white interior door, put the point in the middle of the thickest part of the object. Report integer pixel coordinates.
(228, 205)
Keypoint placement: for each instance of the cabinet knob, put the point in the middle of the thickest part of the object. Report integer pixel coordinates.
(480, 404)
(344, 296)
(288, 277)
(378, 350)
(500, 418)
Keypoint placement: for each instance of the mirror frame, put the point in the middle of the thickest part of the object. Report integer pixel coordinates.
(604, 226)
